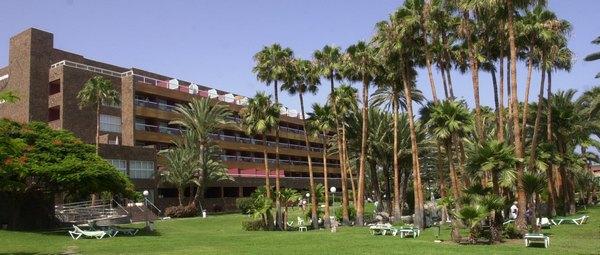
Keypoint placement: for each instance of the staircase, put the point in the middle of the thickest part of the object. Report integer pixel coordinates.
(105, 212)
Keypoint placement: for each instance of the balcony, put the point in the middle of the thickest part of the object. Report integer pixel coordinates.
(232, 158)
(246, 140)
(155, 105)
(158, 129)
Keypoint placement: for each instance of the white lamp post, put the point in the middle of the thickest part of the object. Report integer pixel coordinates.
(307, 195)
(146, 193)
(333, 190)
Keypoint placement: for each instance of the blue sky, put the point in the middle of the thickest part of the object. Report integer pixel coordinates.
(212, 42)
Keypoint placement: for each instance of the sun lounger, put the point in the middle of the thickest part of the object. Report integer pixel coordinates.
(536, 238)
(301, 226)
(77, 232)
(576, 221)
(409, 231)
(127, 231)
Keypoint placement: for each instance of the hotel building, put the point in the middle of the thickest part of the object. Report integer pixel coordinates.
(47, 81)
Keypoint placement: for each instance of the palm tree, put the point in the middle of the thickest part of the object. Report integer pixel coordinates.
(344, 98)
(594, 56)
(271, 64)
(302, 77)
(181, 167)
(97, 91)
(320, 123)
(201, 118)
(534, 184)
(260, 117)
(491, 156)
(288, 197)
(329, 61)
(449, 121)
(360, 65)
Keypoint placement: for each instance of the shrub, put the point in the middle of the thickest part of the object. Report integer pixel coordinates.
(351, 213)
(253, 225)
(244, 204)
(181, 211)
(511, 232)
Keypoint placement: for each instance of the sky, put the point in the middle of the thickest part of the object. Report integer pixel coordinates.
(212, 42)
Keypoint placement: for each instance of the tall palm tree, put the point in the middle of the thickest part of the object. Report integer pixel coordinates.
(329, 61)
(201, 118)
(360, 64)
(270, 67)
(96, 92)
(320, 123)
(302, 77)
(534, 184)
(260, 117)
(345, 99)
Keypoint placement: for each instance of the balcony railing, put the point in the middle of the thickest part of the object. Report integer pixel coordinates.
(283, 177)
(156, 105)
(159, 129)
(232, 158)
(231, 138)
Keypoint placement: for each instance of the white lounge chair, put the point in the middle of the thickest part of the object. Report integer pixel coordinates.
(536, 238)
(77, 232)
(127, 231)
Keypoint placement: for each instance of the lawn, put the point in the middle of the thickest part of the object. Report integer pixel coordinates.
(223, 235)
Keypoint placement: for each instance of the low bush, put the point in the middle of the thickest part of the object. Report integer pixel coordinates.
(181, 211)
(351, 213)
(510, 232)
(253, 225)
(244, 204)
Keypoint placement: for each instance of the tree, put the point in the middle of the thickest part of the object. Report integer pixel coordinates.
(329, 61)
(534, 184)
(288, 197)
(302, 77)
(344, 98)
(96, 92)
(38, 163)
(181, 167)
(449, 121)
(260, 117)
(359, 64)
(320, 123)
(594, 56)
(201, 118)
(271, 67)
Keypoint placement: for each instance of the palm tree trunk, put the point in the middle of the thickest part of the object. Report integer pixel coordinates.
(353, 184)
(418, 192)
(429, 71)
(522, 203)
(267, 172)
(474, 77)
(375, 181)
(550, 169)
(313, 195)
(444, 82)
(97, 142)
(536, 127)
(509, 103)
(326, 219)
(453, 175)
(363, 155)
(340, 141)
(501, 99)
(496, 99)
(441, 177)
(447, 64)
(526, 100)
(180, 195)
(279, 222)
(397, 211)
(348, 168)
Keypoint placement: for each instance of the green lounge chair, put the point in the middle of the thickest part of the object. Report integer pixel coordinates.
(536, 238)
(576, 221)
(77, 232)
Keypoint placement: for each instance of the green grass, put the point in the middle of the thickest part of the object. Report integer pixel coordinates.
(223, 235)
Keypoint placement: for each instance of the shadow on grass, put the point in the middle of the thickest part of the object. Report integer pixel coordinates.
(65, 232)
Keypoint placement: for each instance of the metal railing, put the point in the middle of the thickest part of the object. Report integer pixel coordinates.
(272, 161)
(159, 129)
(89, 68)
(285, 177)
(156, 105)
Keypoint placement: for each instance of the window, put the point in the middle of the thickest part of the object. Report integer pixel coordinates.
(141, 169)
(54, 113)
(119, 164)
(110, 123)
